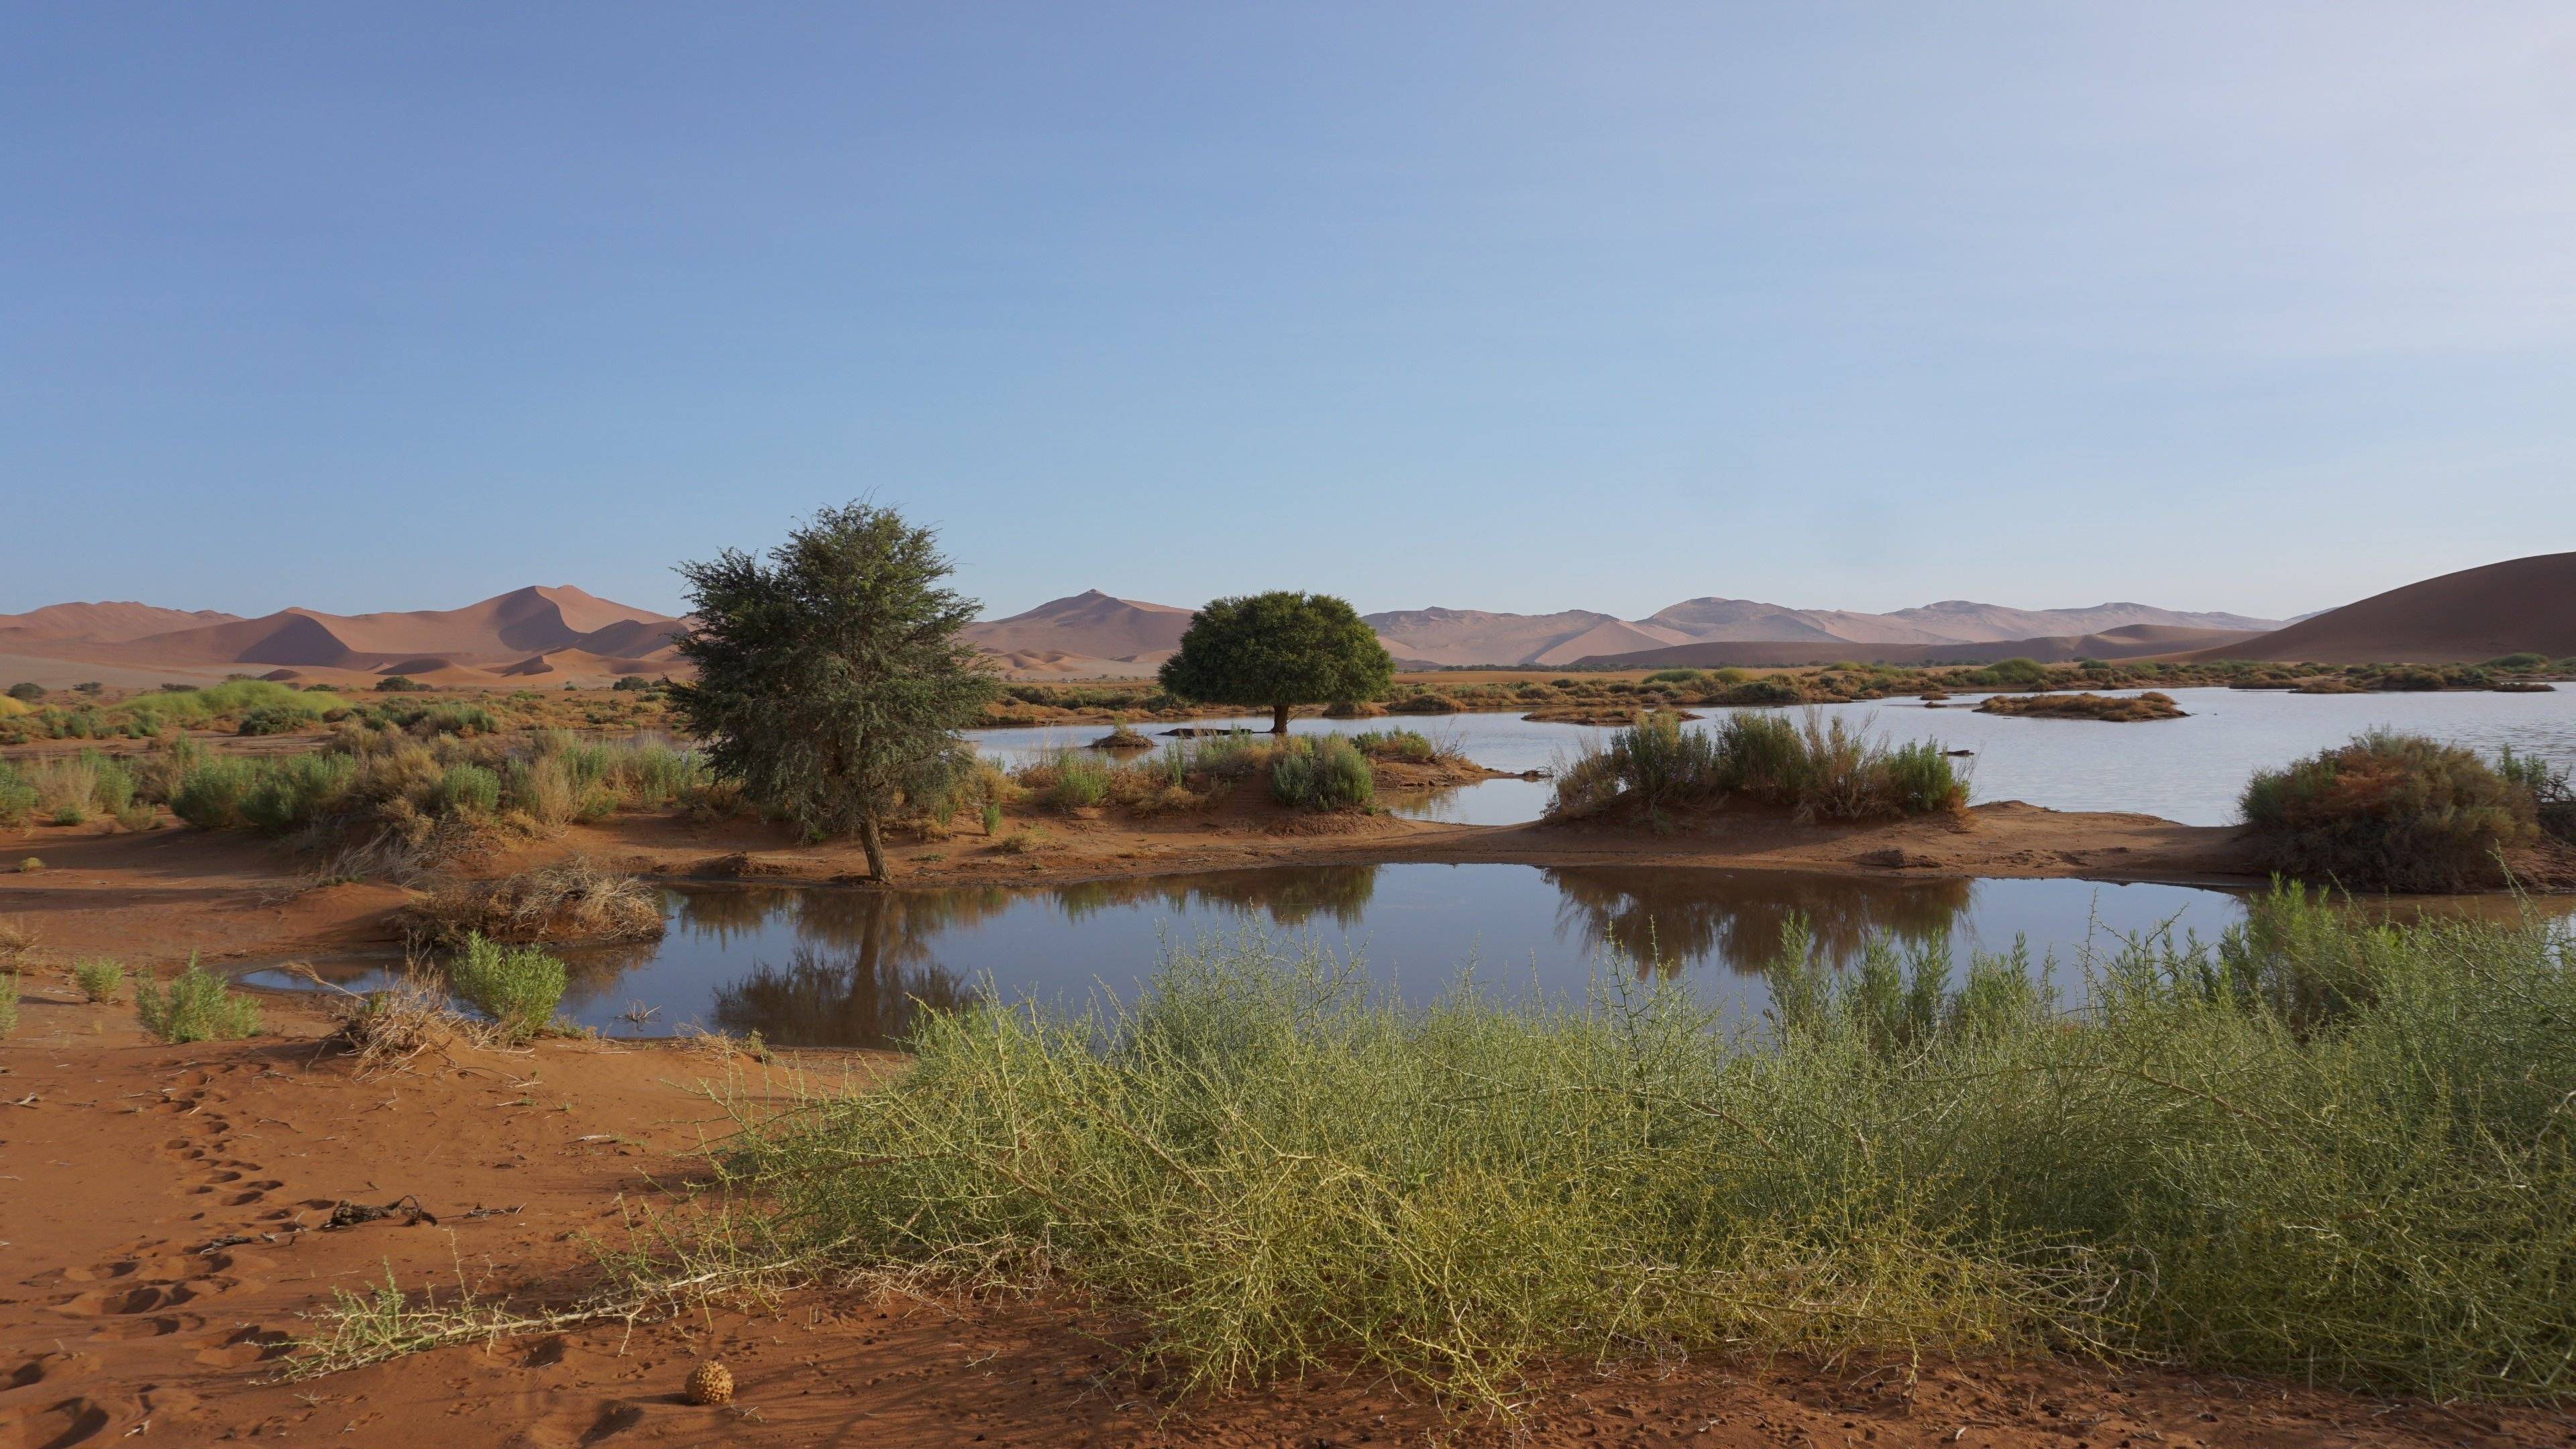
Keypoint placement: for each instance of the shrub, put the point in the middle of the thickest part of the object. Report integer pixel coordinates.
(570, 900)
(30, 865)
(1769, 689)
(98, 978)
(26, 689)
(992, 818)
(9, 986)
(1079, 781)
(18, 796)
(70, 815)
(1396, 744)
(2522, 660)
(295, 790)
(210, 793)
(1663, 676)
(274, 721)
(195, 1006)
(138, 818)
(2389, 812)
(393, 683)
(518, 988)
(2010, 674)
(2217, 1165)
(1818, 768)
(1322, 772)
(469, 790)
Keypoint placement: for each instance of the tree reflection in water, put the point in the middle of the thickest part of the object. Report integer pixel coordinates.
(1668, 917)
(1291, 895)
(851, 998)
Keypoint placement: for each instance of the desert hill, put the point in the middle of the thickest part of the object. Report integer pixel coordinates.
(558, 632)
(2133, 641)
(1466, 636)
(104, 622)
(1090, 624)
(2475, 614)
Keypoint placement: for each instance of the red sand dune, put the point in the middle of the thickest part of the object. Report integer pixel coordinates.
(2473, 615)
(106, 622)
(460, 646)
(1090, 624)
(2136, 641)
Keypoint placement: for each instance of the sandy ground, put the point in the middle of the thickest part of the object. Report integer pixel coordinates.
(156, 1278)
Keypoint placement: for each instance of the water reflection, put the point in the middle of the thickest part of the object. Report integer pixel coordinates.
(851, 998)
(842, 967)
(1667, 918)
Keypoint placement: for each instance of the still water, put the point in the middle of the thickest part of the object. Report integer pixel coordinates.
(2189, 770)
(838, 967)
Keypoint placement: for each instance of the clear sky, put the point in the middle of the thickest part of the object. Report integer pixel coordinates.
(2208, 305)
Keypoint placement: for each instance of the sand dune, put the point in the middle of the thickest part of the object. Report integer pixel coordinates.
(2136, 641)
(1090, 624)
(107, 622)
(2475, 614)
(470, 645)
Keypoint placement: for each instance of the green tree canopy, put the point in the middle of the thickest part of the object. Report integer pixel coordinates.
(1278, 650)
(832, 680)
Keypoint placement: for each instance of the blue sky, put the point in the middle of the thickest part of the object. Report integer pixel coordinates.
(2220, 306)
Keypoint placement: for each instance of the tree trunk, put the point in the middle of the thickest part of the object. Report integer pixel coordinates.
(875, 847)
(1279, 719)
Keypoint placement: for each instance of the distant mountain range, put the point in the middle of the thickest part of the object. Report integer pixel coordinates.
(1094, 633)
(531, 635)
(561, 634)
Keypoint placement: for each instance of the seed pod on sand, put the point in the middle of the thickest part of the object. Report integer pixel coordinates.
(710, 1383)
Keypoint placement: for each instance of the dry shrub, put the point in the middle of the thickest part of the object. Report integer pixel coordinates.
(2117, 709)
(571, 900)
(17, 938)
(389, 1028)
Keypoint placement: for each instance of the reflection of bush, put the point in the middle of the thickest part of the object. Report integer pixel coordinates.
(857, 999)
(1668, 917)
(1290, 895)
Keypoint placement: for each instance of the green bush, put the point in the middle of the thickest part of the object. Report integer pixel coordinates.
(272, 720)
(18, 797)
(195, 1006)
(469, 790)
(1321, 772)
(1768, 689)
(1080, 781)
(518, 987)
(9, 987)
(2011, 674)
(2389, 812)
(26, 689)
(98, 978)
(210, 792)
(1818, 768)
(392, 683)
(2322, 1149)
(296, 790)
(1395, 744)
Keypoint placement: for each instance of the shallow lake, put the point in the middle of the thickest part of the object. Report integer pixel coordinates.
(840, 967)
(2186, 769)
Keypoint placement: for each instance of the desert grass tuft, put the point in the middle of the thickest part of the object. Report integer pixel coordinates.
(195, 1006)
(517, 987)
(98, 978)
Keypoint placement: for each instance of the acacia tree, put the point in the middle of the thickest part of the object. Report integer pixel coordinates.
(831, 681)
(1278, 650)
